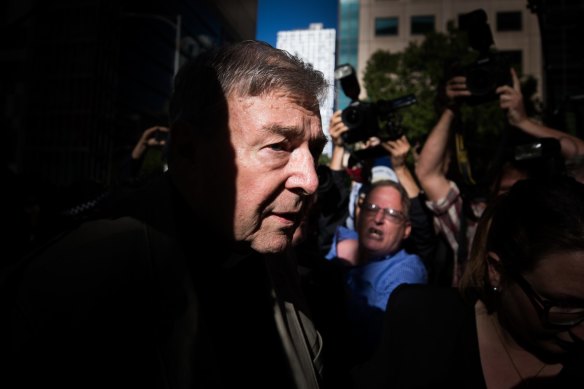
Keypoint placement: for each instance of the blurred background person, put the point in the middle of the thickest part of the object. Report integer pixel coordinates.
(375, 263)
(456, 212)
(517, 318)
(148, 157)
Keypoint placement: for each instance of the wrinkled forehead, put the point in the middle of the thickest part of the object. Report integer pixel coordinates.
(251, 88)
(383, 191)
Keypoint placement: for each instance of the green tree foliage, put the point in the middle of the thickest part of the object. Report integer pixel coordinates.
(324, 159)
(420, 70)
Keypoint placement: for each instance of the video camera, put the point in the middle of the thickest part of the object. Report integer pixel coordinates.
(364, 118)
(490, 70)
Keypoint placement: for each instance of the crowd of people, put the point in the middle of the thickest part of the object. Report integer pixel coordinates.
(243, 262)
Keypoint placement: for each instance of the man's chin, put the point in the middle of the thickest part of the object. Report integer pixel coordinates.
(272, 243)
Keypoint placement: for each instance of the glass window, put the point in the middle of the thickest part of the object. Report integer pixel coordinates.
(386, 26)
(422, 24)
(509, 21)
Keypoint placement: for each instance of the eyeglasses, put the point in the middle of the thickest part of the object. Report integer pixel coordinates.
(393, 215)
(552, 312)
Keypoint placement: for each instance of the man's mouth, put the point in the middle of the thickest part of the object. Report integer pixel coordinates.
(287, 218)
(375, 233)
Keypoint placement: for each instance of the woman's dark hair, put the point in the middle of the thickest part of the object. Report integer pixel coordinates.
(536, 218)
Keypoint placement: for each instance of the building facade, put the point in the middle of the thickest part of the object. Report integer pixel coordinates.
(315, 45)
(392, 24)
(348, 47)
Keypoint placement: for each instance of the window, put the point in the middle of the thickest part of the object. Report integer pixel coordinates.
(422, 24)
(509, 21)
(386, 26)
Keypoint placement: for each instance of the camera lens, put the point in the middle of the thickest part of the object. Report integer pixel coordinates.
(352, 116)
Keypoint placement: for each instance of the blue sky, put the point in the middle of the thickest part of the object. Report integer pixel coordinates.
(285, 15)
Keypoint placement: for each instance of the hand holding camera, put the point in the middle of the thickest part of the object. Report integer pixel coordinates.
(456, 89)
(156, 136)
(398, 149)
(451, 94)
(337, 128)
(491, 69)
(363, 118)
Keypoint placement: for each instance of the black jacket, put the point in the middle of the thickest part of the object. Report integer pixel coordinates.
(133, 302)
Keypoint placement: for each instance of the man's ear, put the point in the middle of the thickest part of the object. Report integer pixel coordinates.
(407, 230)
(494, 265)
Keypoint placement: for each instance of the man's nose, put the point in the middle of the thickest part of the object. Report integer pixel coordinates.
(303, 176)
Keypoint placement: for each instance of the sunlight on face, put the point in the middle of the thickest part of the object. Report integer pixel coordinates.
(377, 235)
(277, 144)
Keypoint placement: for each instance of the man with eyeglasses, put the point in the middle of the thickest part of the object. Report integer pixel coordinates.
(517, 318)
(375, 262)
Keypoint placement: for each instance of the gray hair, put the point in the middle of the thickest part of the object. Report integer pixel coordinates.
(247, 68)
(406, 202)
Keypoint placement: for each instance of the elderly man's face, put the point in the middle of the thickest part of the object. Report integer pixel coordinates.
(380, 234)
(276, 144)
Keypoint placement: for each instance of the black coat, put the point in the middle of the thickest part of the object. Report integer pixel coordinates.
(430, 341)
(132, 301)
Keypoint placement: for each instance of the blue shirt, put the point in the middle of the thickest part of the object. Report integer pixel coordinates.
(370, 285)
(373, 282)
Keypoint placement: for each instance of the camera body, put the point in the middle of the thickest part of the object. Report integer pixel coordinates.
(484, 77)
(491, 69)
(361, 120)
(364, 118)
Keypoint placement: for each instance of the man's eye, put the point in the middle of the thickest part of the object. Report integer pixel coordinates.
(282, 146)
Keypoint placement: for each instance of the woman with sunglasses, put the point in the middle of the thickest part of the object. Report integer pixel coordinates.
(517, 318)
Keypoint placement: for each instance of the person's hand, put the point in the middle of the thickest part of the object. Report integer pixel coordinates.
(451, 94)
(150, 138)
(456, 89)
(398, 149)
(337, 128)
(371, 142)
(511, 99)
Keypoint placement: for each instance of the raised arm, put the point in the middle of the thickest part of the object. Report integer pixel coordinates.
(433, 160)
(336, 129)
(399, 149)
(511, 99)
